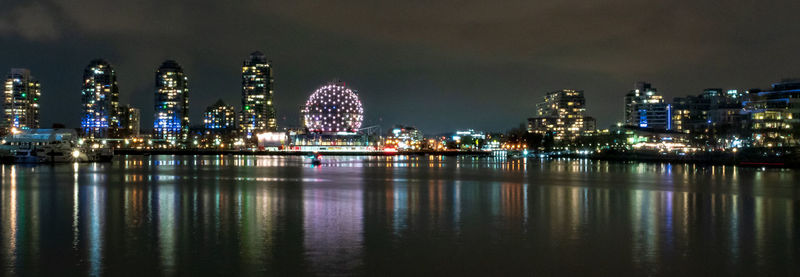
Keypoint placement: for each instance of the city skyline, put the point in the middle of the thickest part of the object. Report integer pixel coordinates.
(90, 73)
(502, 61)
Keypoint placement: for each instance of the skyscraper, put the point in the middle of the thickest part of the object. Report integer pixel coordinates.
(562, 113)
(258, 112)
(20, 101)
(171, 102)
(100, 100)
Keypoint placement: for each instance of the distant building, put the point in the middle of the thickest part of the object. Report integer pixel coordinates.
(171, 102)
(219, 117)
(715, 109)
(20, 101)
(589, 124)
(725, 111)
(129, 121)
(561, 113)
(466, 139)
(405, 138)
(258, 112)
(100, 100)
(645, 108)
(642, 93)
(690, 114)
(774, 115)
(656, 116)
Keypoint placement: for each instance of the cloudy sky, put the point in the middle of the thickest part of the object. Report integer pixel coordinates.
(438, 65)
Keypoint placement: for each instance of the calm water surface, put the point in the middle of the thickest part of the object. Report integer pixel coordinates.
(402, 216)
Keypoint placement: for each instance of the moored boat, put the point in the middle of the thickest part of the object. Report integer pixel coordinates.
(49, 146)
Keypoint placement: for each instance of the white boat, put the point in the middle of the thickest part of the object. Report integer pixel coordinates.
(49, 146)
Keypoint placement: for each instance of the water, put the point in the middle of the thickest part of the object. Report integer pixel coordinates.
(403, 216)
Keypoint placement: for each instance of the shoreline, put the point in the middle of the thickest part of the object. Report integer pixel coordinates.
(701, 159)
(293, 153)
(789, 162)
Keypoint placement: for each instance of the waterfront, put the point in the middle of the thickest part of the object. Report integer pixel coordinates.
(373, 216)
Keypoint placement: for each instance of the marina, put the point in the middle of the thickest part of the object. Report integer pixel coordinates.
(50, 146)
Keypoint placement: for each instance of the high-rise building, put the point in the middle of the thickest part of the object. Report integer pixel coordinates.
(645, 108)
(171, 102)
(20, 101)
(219, 117)
(129, 121)
(100, 100)
(258, 112)
(561, 113)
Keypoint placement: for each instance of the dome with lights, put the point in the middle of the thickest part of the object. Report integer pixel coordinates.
(333, 108)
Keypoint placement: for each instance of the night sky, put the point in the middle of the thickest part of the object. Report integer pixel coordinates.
(439, 66)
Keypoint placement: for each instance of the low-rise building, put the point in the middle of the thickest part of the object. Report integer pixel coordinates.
(774, 115)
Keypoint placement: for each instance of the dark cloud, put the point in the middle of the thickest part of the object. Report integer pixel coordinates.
(435, 64)
(30, 21)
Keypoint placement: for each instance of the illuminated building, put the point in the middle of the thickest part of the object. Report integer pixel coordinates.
(258, 112)
(171, 102)
(100, 100)
(645, 108)
(656, 116)
(20, 101)
(272, 140)
(725, 110)
(333, 108)
(405, 138)
(643, 93)
(219, 117)
(712, 111)
(467, 139)
(129, 121)
(690, 114)
(561, 113)
(332, 118)
(774, 115)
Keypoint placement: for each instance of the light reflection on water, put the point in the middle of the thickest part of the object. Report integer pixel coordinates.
(405, 215)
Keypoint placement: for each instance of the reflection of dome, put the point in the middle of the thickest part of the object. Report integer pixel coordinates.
(333, 108)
